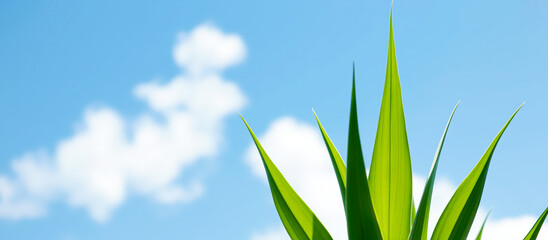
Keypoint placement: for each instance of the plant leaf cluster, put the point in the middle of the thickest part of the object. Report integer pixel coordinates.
(380, 206)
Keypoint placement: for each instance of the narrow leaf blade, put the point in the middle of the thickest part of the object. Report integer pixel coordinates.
(299, 221)
(360, 215)
(458, 215)
(390, 178)
(482, 226)
(533, 233)
(336, 160)
(419, 231)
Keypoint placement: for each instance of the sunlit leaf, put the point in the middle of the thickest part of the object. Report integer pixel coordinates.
(299, 221)
(336, 160)
(360, 215)
(532, 235)
(458, 215)
(482, 226)
(419, 231)
(390, 178)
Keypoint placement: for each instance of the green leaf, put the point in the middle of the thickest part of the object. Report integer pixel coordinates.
(419, 231)
(360, 215)
(390, 178)
(336, 160)
(532, 235)
(299, 221)
(413, 211)
(482, 226)
(458, 215)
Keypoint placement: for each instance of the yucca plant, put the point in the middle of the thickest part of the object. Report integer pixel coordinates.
(380, 206)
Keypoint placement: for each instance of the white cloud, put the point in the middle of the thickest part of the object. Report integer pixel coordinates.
(110, 157)
(12, 206)
(298, 150)
(208, 49)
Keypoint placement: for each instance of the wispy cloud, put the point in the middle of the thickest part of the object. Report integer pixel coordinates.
(110, 157)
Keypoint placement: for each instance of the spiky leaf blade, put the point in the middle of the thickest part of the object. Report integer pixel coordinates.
(360, 216)
(482, 226)
(336, 160)
(299, 221)
(533, 233)
(458, 215)
(419, 231)
(390, 178)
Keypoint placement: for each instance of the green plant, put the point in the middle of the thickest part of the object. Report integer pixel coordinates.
(380, 206)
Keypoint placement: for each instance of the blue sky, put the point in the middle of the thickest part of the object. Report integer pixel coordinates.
(69, 68)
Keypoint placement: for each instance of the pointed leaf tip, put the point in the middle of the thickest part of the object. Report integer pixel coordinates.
(360, 215)
(458, 215)
(336, 160)
(533, 233)
(299, 221)
(419, 228)
(483, 225)
(390, 176)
